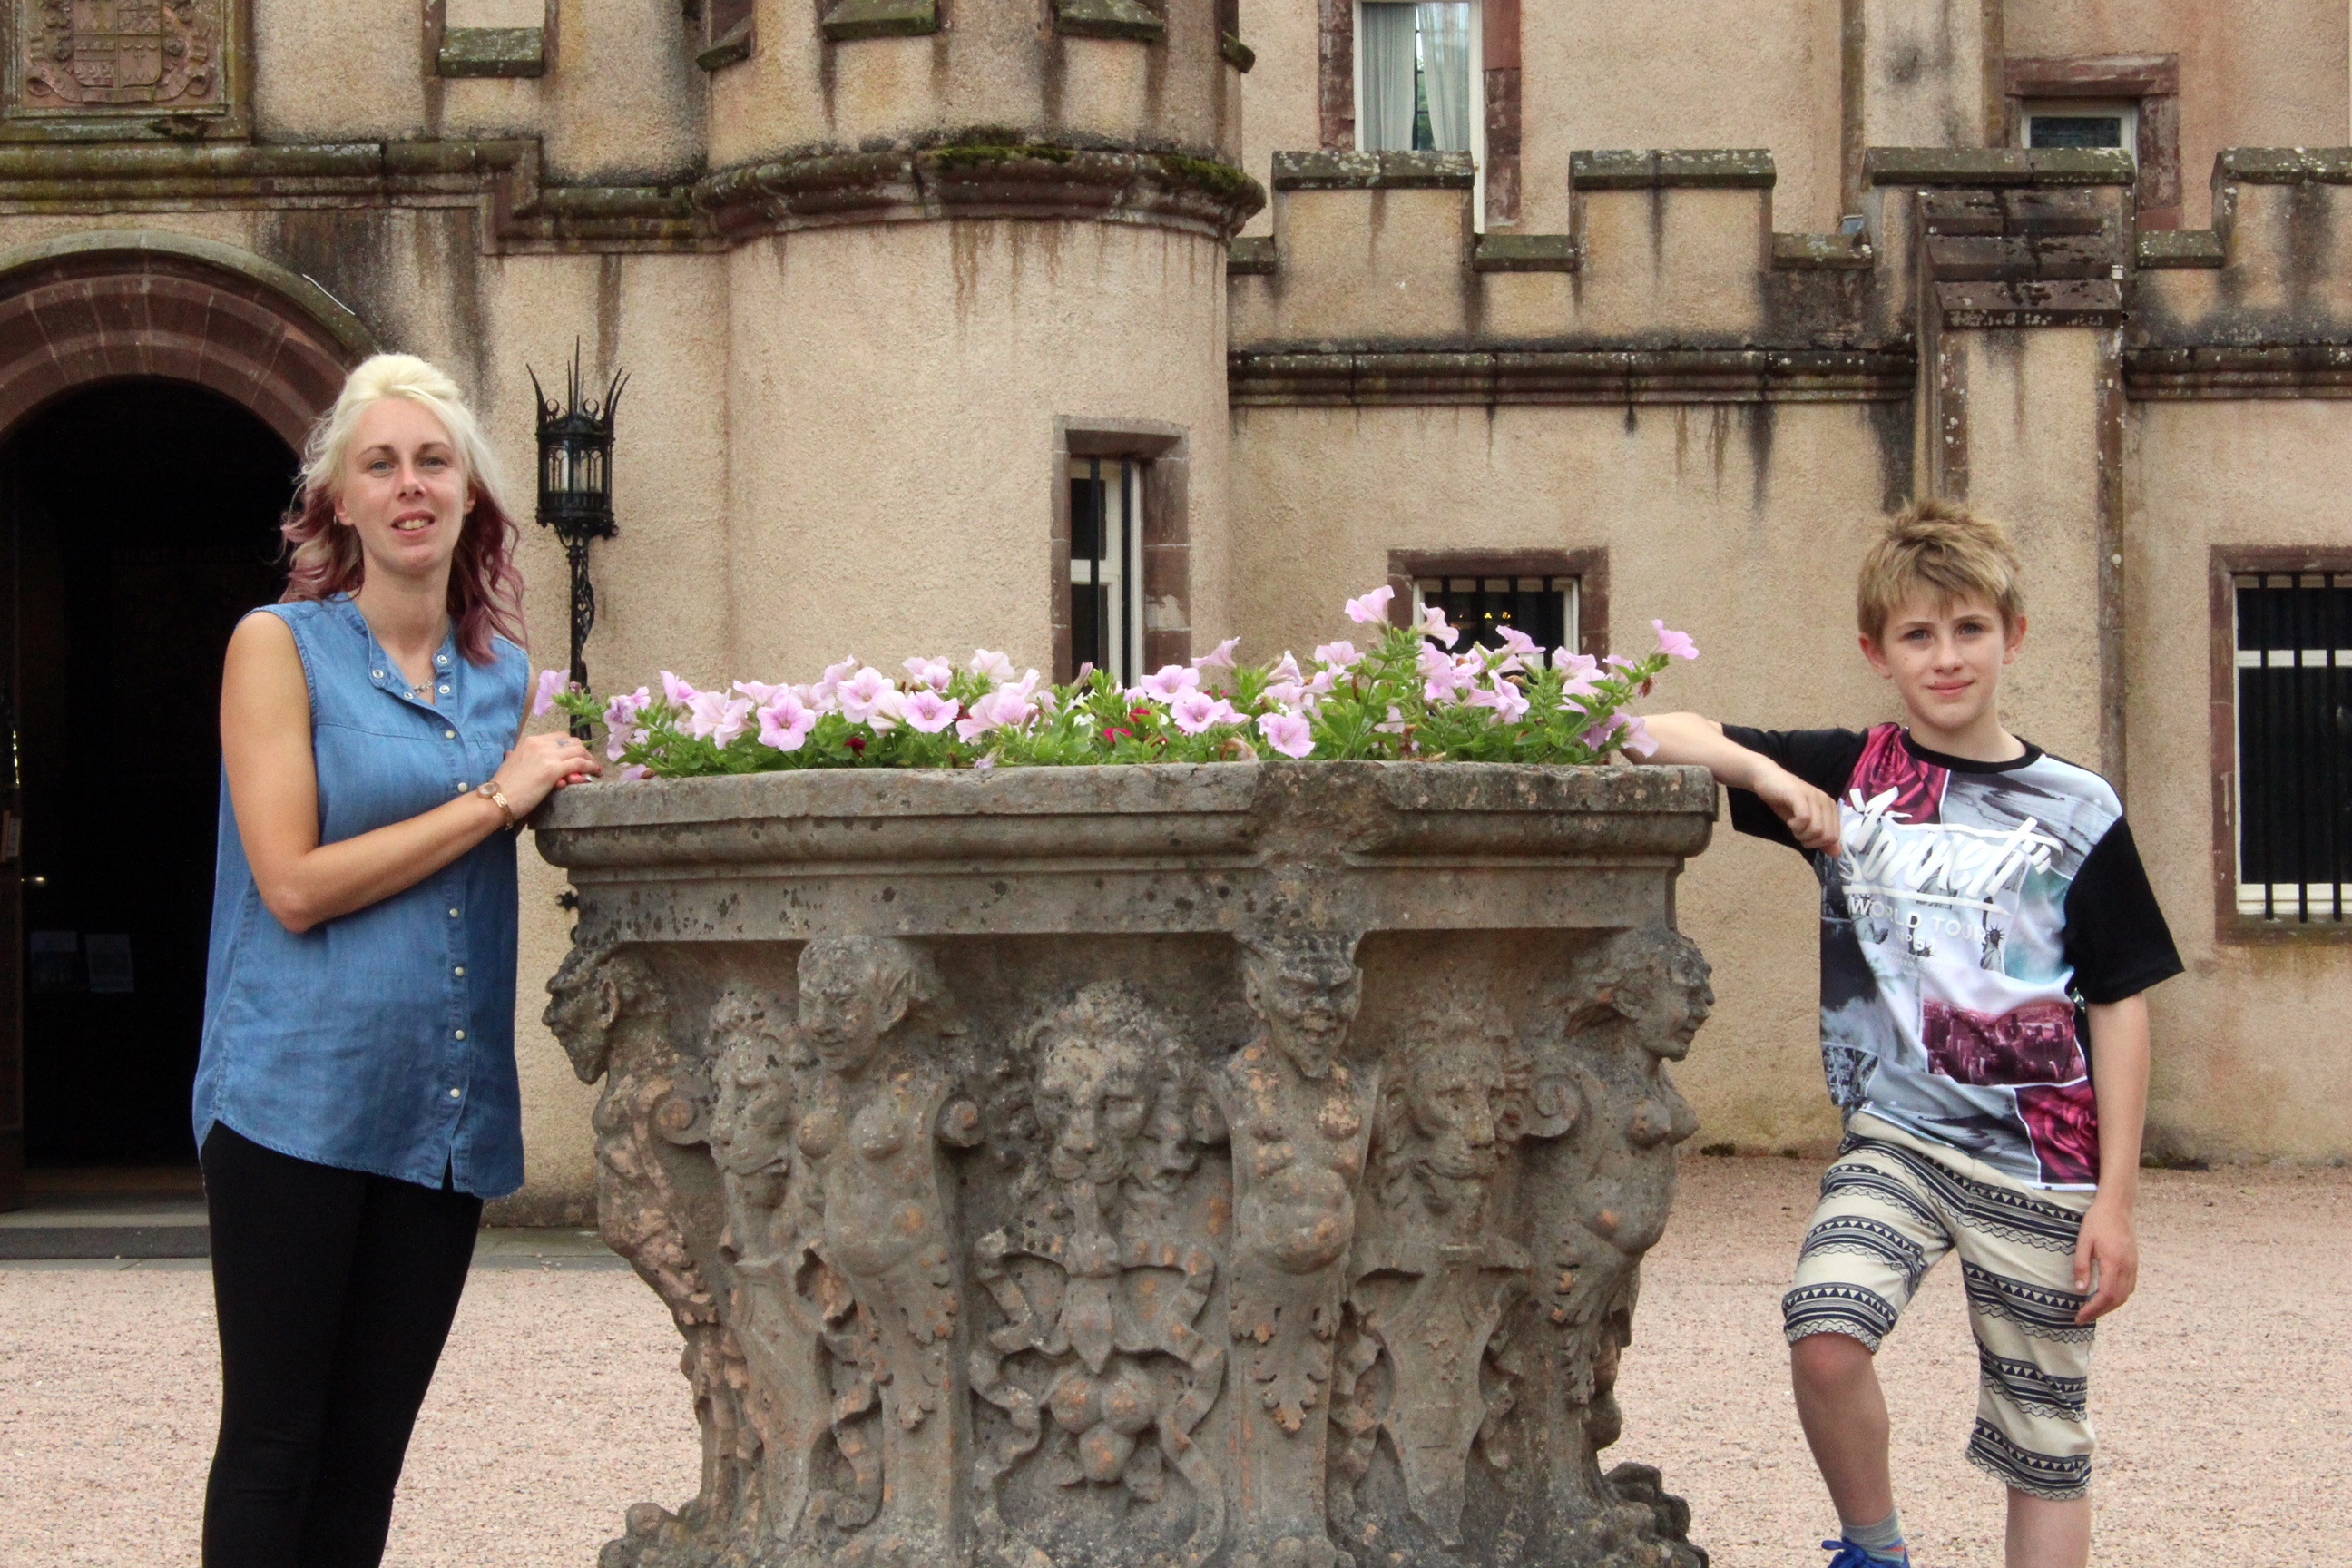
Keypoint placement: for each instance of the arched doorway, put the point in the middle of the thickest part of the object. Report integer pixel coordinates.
(129, 576)
(153, 392)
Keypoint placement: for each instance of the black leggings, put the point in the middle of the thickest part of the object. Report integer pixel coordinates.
(335, 1291)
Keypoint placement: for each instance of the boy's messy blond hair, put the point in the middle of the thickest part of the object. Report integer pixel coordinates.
(1942, 550)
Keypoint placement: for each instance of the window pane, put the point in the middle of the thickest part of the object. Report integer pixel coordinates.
(2075, 131)
(1086, 627)
(1481, 607)
(1446, 75)
(1086, 518)
(1387, 42)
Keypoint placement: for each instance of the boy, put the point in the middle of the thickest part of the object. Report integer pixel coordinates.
(1972, 889)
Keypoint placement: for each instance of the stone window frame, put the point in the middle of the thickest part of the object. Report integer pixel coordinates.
(1498, 25)
(2227, 564)
(1589, 565)
(2152, 81)
(1164, 452)
(726, 28)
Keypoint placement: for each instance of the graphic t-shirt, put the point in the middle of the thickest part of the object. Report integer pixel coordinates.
(1970, 908)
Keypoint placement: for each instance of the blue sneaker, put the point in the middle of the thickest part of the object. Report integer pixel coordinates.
(1850, 1555)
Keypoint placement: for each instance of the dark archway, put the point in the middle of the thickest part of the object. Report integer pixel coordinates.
(143, 525)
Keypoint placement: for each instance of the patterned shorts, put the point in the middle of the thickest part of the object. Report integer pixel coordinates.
(1888, 1213)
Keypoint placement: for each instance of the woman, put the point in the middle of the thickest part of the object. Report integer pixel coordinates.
(355, 1096)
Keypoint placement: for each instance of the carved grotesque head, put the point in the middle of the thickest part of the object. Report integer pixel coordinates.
(1452, 1103)
(589, 994)
(1307, 988)
(1655, 981)
(1111, 1091)
(854, 990)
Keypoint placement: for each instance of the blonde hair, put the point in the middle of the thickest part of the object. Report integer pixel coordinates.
(323, 558)
(1946, 552)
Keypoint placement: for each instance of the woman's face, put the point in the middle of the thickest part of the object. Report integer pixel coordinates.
(402, 490)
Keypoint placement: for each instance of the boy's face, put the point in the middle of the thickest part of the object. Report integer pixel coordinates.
(1946, 659)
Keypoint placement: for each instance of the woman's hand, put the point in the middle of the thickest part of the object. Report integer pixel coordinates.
(539, 766)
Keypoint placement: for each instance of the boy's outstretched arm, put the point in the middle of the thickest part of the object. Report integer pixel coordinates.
(2108, 1251)
(1699, 741)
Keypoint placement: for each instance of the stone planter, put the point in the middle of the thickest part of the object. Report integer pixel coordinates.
(1170, 1167)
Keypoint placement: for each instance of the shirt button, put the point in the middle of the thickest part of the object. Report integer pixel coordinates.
(377, 673)
(461, 1034)
(455, 1094)
(448, 734)
(445, 691)
(440, 659)
(461, 786)
(453, 914)
(461, 970)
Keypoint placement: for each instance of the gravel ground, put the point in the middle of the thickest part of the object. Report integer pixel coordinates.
(559, 1402)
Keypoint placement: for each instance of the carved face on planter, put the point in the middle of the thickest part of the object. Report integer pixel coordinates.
(1453, 1094)
(1110, 1092)
(854, 990)
(1656, 981)
(588, 996)
(1307, 989)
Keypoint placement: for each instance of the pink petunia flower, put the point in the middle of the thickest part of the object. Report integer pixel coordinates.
(927, 710)
(785, 722)
(716, 717)
(621, 713)
(1162, 684)
(862, 693)
(1008, 707)
(1194, 711)
(834, 674)
(1636, 738)
(1285, 668)
(634, 773)
(1337, 655)
(1370, 609)
(934, 673)
(1674, 644)
(990, 665)
(1432, 624)
(1286, 693)
(1597, 739)
(622, 738)
(1518, 642)
(678, 691)
(1579, 671)
(551, 681)
(1218, 658)
(760, 691)
(1287, 732)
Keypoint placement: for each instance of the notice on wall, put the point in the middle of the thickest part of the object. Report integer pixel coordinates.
(56, 960)
(110, 963)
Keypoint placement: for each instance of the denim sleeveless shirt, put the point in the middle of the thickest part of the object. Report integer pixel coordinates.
(381, 1040)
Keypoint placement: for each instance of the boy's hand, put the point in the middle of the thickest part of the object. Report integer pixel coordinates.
(1812, 816)
(2108, 1251)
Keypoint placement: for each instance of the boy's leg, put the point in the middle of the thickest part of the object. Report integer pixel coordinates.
(2032, 1430)
(1872, 1237)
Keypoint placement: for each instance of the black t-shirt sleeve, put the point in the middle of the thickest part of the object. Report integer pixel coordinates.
(1824, 759)
(2116, 937)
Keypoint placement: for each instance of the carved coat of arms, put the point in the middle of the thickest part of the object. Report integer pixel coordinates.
(85, 55)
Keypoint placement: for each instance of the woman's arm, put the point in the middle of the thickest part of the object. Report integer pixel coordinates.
(1693, 738)
(273, 787)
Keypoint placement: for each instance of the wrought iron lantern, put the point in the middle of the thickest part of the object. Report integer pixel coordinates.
(575, 493)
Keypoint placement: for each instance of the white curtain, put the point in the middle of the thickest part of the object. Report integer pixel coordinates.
(1445, 74)
(1385, 42)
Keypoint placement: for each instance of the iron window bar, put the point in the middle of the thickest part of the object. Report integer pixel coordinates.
(1105, 574)
(2294, 664)
(1544, 608)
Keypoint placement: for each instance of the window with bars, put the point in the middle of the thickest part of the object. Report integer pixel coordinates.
(1106, 622)
(2293, 713)
(1544, 608)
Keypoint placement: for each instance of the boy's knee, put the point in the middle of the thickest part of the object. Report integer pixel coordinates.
(1828, 1357)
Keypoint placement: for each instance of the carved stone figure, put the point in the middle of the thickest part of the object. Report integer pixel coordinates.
(1636, 1002)
(1435, 1271)
(870, 1254)
(1300, 1120)
(1120, 1114)
(610, 1011)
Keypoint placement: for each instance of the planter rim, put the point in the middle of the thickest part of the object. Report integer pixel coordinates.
(1119, 789)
